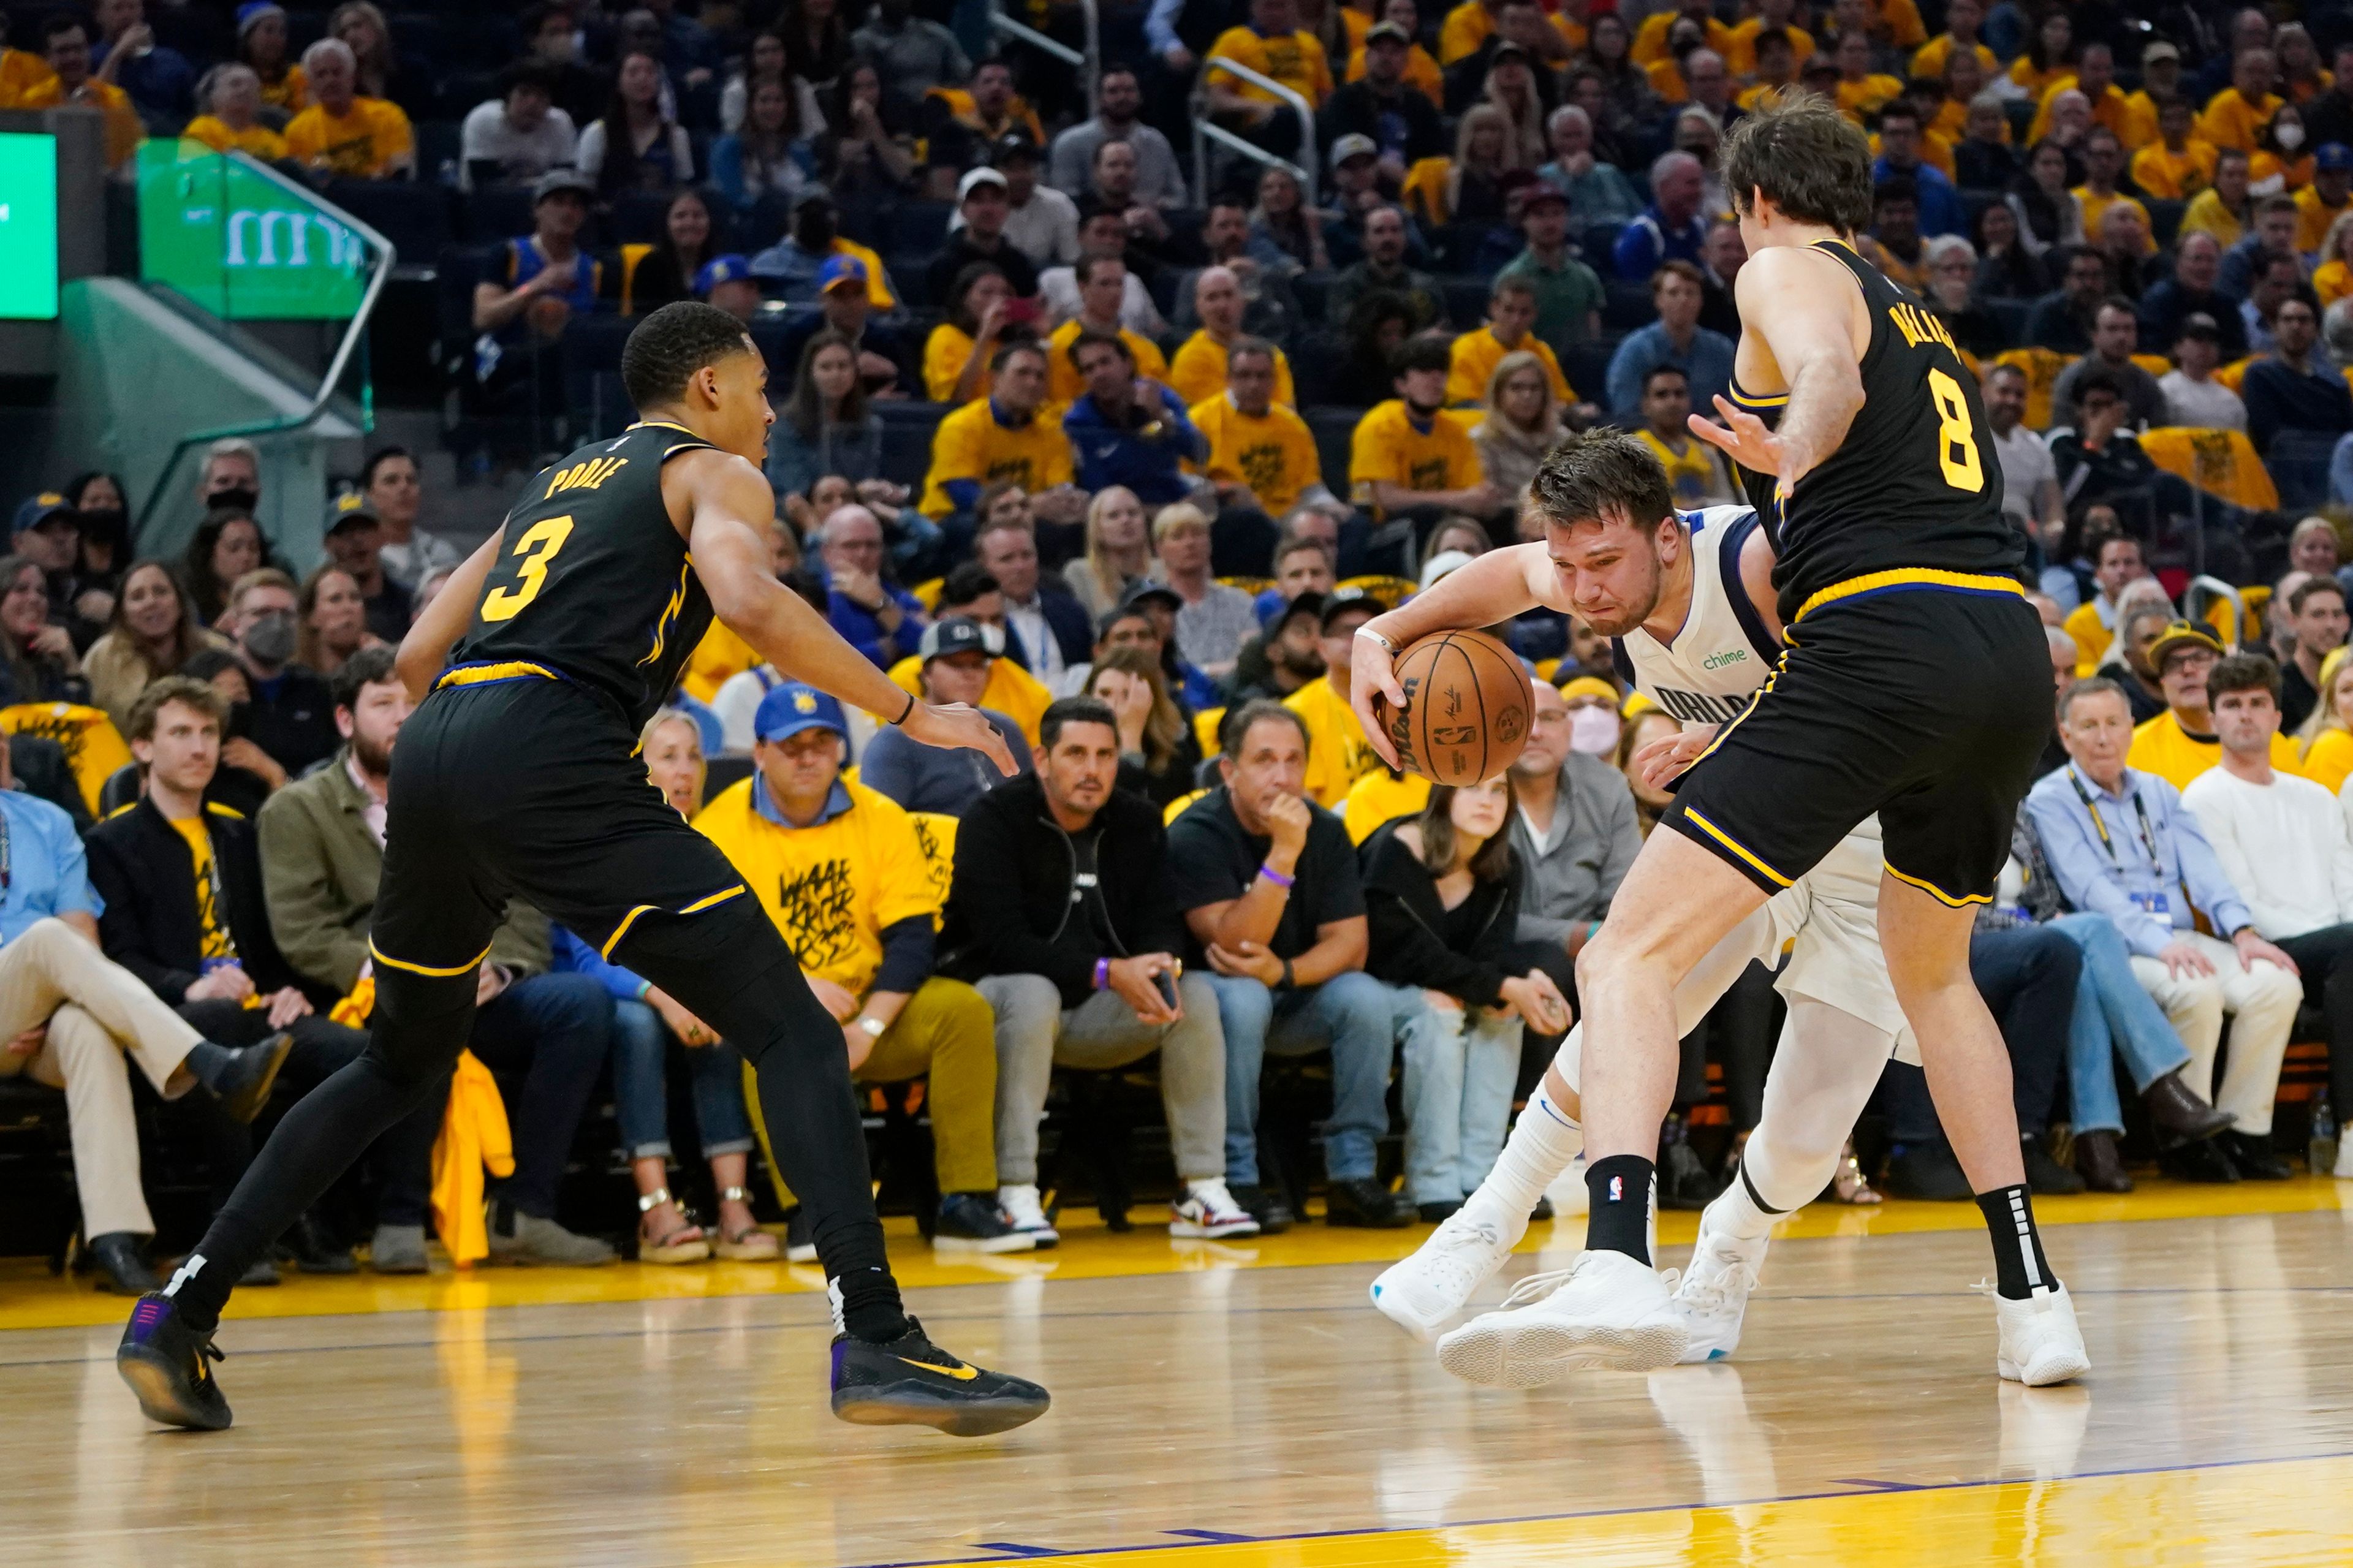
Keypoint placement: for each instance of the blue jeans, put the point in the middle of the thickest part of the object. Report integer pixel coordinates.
(641, 1087)
(1352, 1015)
(551, 1031)
(2112, 1013)
(1461, 1067)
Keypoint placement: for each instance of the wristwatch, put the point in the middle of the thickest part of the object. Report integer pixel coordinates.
(872, 1028)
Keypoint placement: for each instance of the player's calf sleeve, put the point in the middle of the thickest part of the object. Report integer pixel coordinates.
(1542, 1142)
(1824, 1069)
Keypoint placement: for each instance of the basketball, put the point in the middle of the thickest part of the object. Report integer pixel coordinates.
(1468, 706)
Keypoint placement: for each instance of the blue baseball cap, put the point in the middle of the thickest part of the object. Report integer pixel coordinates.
(793, 708)
(2333, 155)
(730, 268)
(43, 510)
(841, 270)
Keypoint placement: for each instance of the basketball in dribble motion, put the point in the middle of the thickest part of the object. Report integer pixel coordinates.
(1468, 706)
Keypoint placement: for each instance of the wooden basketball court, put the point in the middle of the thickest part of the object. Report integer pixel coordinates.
(1236, 1406)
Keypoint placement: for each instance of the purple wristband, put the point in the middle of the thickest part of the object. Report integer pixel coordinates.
(1277, 877)
(1102, 972)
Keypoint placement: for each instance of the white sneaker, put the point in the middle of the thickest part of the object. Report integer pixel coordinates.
(1604, 1310)
(1026, 1213)
(1715, 1291)
(2041, 1345)
(1207, 1210)
(1420, 1292)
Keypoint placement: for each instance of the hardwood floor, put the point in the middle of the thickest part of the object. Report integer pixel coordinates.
(1235, 1407)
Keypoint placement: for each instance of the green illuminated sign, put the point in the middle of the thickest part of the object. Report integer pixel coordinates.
(28, 227)
(240, 244)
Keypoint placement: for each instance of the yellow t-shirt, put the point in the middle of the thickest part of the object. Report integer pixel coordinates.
(1476, 355)
(2164, 748)
(1382, 797)
(945, 353)
(1651, 37)
(23, 73)
(1065, 386)
(971, 445)
(718, 659)
(2230, 120)
(2113, 110)
(1928, 59)
(1740, 59)
(2332, 281)
(2313, 216)
(212, 921)
(833, 887)
(2330, 760)
(2207, 214)
(1422, 72)
(1198, 372)
(2172, 176)
(362, 144)
(1275, 456)
(1860, 99)
(124, 130)
(2092, 639)
(1465, 28)
(1337, 752)
(1695, 474)
(1011, 691)
(2094, 207)
(1294, 59)
(1387, 446)
(290, 91)
(256, 140)
(1902, 20)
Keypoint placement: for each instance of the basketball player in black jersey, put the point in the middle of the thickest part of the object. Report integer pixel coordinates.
(1914, 682)
(519, 778)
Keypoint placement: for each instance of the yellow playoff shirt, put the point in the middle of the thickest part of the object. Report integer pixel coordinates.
(970, 444)
(1651, 37)
(1695, 474)
(1337, 752)
(1421, 73)
(256, 141)
(361, 144)
(718, 659)
(1275, 456)
(945, 353)
(2172, 176)
(212, 921)
(2164, 748)
(832, 887)
(1198, 372)
(1382, 797)
(1294, 59)
(1476, 355)
(1388, 446)
(2230, 120)
(1065, 386)
(2313, 216)
(1741, 58)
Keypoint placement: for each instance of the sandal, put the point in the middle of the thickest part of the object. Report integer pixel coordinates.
(751, 1245)
(682, 1242)
(1848, 1183)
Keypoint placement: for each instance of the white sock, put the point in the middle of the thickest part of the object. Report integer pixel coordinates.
(1543, 1141)
(1736, 1212)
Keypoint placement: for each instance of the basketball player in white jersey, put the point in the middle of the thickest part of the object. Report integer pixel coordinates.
(1689, 604)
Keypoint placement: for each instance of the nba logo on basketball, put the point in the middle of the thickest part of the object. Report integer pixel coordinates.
(1617, 1189)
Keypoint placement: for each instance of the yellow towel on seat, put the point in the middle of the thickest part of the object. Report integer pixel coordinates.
(474, 1135)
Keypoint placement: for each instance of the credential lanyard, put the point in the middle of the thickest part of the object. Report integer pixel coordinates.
(2148, 839)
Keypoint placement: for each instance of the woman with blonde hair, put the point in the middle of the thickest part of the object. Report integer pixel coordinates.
(2323, 744)
(645, 1020)
(1523, 423)
(2333, 279)
(1511, 91)
(362, 27)
(1118, 552)
(1159, 753)
(1475, 186)
(155, 630)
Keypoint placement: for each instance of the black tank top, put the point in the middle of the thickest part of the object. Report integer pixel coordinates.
(594, 584)
(1914, 489)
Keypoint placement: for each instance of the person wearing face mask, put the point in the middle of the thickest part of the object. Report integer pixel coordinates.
(1593, 724)
(96, 572)
(1010, 691)
(292, 721)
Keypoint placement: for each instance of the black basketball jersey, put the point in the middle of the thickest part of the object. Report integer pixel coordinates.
(1914, 489)
(592, 583)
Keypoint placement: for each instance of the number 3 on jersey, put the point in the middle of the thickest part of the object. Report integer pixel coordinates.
(1956, 444)
(540, 542)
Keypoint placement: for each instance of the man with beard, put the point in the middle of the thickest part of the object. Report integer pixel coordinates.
(1287, 655)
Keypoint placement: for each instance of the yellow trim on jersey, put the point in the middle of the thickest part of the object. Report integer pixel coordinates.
(1933, 892)
(219, 810)
(384, 958)
(1721, 837)
(1909, 576)
(476, 674)
(700, 905)
(630, 919)
(1746, 401)
(661, 424)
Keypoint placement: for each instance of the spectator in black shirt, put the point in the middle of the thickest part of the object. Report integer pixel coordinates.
(981, 198)
(2329, 117)
(353, 536)
(2192, 291)
(2099, 459)
(2294, 389)
(292, 721)
(1402, 123)
(2064, 320)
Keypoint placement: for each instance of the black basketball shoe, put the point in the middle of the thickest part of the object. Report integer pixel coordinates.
(910, 1382)
(163, 1360)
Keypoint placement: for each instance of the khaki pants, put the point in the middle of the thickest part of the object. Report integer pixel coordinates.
(945, 1032)
(97, 1012)
(2261, 1000)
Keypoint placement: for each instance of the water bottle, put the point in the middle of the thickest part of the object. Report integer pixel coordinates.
(2321, 1150)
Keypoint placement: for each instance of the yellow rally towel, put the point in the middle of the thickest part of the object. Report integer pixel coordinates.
(93, 747)
(353, 1011)
(473, 1136)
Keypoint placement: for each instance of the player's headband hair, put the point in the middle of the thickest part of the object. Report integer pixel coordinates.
(1587, 478)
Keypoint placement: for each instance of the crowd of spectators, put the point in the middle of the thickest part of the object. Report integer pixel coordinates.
(1062, 422)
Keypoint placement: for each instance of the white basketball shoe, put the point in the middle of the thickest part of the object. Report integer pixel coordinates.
(1604, 1310)
(1714, 1294)
(2041, 1345)
(1419, 1293)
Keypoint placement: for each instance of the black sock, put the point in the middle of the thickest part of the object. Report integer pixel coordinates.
(1619, 1217)
(2019, 1266)
(866, 1304)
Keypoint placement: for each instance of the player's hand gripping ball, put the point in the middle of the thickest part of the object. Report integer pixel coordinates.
(1469, 703)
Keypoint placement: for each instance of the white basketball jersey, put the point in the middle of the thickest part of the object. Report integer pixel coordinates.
(1725, 651)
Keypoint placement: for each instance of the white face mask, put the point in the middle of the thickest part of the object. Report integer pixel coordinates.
(993, 640)
(1593, 730)
(2289, 136)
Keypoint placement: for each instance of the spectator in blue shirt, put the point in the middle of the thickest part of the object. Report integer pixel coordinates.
(1940, 208)
(2293, 388)
(1672, 226)
(1128, 431)
(880, 619)
(1675, 339)
(159, 79)
(957, 664)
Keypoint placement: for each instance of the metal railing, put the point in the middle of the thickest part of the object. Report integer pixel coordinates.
(1088, 61)
(1204, 132)
(354, 336)
(2198, 600)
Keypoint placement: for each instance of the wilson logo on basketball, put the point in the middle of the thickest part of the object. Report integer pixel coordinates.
(1466, 710)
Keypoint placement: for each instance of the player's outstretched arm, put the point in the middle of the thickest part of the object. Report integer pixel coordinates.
(732, 558)
(426, 649)
(1810, 325)
(1495, 587)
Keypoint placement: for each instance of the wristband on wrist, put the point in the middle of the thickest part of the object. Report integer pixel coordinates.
(644, 988)
(1286, 983)
(1387, 645)
(1277, 877)
(1102, 972)
(907, 713)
